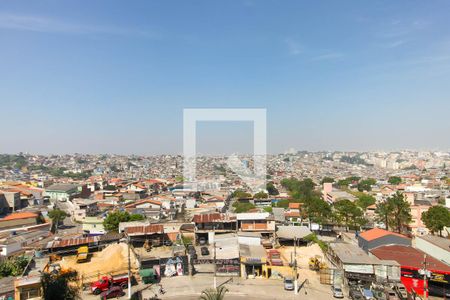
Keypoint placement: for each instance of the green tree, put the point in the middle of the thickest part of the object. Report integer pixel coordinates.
(348, 213)
(365, 201)
(401, 211)
(283, 203)
(271, 189)
(57, 216)
(260, 195)
(60, 285)
(13, 266)
(240, 194)
(302, 190)
(317, 210)
(343, 183)
(395, 180)
(382, 212)
(136, 217)
(240, 207)
(111, 222)
(327, 179)
(214, 294)
(395, 212)
(268, 209)
(366, 184)
(436, 218)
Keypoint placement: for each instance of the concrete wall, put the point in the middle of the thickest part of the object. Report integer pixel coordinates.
(10, 248)
(382, 241)
(17, 223)
(433, 250)
(247, 240)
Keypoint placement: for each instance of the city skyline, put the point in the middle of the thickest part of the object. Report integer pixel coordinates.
(97, 78)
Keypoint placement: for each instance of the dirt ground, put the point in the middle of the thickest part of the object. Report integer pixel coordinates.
(112, 259)
(303, 255)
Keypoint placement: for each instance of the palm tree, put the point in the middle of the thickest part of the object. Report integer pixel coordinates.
(214, 294)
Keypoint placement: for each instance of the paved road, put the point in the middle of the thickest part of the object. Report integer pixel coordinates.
(69, 227)
(186, 287)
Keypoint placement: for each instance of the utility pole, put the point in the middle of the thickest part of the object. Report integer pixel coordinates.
(215, 266)
(129, 266)
(295, 266)
(425, 283)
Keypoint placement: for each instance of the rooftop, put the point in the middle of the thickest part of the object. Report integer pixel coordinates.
(213, 217)
(352, 254)
(254, 251)
(61, 187)
(292, 232)
(437, 241)
(19, 215)
(408, 256)
(252, 216)
(376, 233)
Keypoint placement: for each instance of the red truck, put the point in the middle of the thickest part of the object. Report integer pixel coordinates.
(274, 258)
(108, 281)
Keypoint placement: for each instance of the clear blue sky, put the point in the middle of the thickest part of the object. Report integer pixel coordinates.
(114, 76)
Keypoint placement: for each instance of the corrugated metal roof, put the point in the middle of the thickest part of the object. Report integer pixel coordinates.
(213, 217)
(291, 232)
(72, 242)
(408, 256)
(145, 229)
(352, 254)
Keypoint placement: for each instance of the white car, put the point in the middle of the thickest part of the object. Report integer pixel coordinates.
(288, 284)
(337, 292)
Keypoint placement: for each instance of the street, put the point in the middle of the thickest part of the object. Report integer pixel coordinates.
(187, 287)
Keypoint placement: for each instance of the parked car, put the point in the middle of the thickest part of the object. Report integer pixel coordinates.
(202, 241)
(367, 293)
(379, 294)
(107, 282)
(113, 292)
(355, 295)
(391, 294)
(288, 284)
(401, 291)
(204, 251)
(337, 292)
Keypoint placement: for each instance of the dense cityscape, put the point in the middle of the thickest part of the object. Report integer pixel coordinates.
(74, 214)
(224, 150)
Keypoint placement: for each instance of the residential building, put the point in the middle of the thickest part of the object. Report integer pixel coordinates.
(62, 192)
